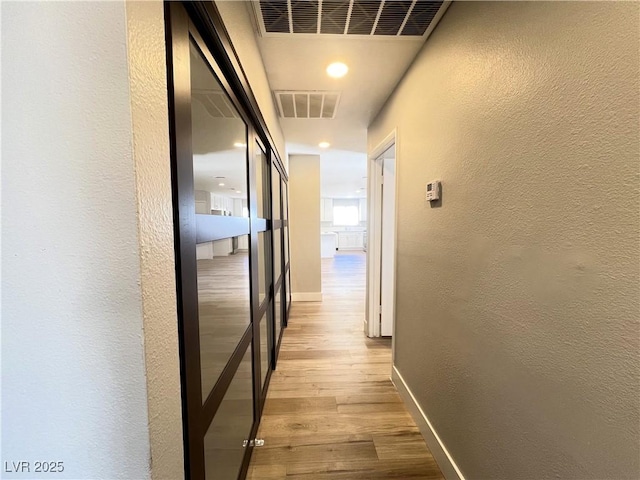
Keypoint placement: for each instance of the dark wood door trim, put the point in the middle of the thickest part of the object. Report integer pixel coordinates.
(200, 22)
(179, 87)
(220, 388)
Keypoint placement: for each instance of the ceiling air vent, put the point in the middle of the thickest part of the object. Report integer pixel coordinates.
(215, 102)
(380, 18)
(312, 104)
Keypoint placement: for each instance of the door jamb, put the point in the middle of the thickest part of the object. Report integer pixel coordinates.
(374, 250)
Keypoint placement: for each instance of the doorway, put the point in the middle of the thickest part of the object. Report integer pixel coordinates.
(381, 258)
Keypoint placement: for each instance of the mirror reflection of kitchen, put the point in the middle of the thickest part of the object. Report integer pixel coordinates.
(219, 137)
(219, 154)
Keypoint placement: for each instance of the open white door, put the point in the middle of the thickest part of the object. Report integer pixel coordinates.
(381, 253)
(388, 247)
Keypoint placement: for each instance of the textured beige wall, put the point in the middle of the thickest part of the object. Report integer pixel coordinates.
(149, 110)
(304, 218)
(236, 16)
(518, 297)
(73, 365)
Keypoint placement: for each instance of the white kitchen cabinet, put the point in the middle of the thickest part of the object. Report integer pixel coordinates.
(359, 240)
(328, 244)
(223, 204)
(326, 210)
(203, 202)
(350, 240)
(218, 248)
(216, 202)
(243, 242)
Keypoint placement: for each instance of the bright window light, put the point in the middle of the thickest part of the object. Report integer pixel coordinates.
(345, 216)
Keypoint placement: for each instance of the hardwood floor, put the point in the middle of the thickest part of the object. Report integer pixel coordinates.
(224, 312)
(332, 411)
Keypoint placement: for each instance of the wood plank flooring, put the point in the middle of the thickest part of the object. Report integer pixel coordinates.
(224, 312)
(332, 411)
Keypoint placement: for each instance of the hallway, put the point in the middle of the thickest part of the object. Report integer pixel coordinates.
(337, 414)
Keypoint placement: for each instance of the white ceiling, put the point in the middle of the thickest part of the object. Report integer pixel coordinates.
(376, 64)
(342, 172)
(375, 67)
(229, 164)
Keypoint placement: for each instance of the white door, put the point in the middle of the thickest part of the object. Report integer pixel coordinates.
(388, 248)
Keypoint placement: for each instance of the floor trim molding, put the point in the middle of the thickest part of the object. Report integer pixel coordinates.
(306, 297)
(445, 461)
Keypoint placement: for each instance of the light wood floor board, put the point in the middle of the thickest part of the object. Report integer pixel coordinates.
(332, 411)
(224, 312)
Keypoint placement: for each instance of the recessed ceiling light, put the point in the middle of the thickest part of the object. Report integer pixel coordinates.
(239, 145)
(238, 191)
(221, 184)
(324, 144)
(337, 70)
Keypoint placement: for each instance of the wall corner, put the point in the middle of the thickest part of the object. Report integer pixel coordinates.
(146, 50)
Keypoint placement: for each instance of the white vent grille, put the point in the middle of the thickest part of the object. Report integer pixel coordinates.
(381, 18)
(309, 104)
(216, 103)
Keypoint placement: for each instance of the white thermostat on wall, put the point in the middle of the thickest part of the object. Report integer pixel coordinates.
(433, 191)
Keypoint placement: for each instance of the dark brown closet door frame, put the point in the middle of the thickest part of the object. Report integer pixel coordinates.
(287, 267)
(199, 22)
(185, 236)
(279, 284)
(266, 306)
(286, 259)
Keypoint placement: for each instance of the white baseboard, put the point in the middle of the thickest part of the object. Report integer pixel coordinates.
(306, 297)
(446, 463)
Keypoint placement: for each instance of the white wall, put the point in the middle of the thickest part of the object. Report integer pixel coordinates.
(518, 306)
(86, 259)
(304, 230)
(149, 107)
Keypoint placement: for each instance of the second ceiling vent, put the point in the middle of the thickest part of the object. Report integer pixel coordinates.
(311, 104)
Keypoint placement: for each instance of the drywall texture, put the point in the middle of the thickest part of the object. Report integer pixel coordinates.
(304, 219)
(149, 110)
(518, 297)
(236, 15)
(73, 372)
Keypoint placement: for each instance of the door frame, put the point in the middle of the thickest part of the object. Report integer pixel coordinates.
(200, 23)
(374, 242)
